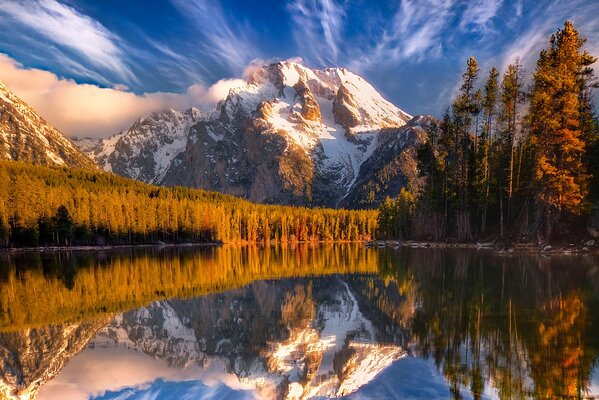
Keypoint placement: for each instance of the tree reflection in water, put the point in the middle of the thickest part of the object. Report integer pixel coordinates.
(520, 326)
(527, 325)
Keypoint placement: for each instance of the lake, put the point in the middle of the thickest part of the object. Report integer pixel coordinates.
(311, 321)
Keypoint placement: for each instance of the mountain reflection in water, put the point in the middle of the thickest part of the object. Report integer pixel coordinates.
(303, 322)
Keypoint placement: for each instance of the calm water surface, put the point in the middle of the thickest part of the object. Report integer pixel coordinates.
(295, 323)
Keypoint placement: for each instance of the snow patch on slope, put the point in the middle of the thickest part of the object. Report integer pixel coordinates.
(152, 143)
(25, 135)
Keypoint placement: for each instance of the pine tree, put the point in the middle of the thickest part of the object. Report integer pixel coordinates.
(511, 96)
(489, 110)
(589, 124)
(464, 107)
(555, 124)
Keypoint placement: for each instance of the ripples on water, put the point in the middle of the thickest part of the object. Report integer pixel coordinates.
(304, 322)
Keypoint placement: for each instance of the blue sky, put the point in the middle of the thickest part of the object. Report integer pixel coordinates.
(411, 51)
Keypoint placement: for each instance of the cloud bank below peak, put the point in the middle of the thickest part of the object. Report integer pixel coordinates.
(86, 110)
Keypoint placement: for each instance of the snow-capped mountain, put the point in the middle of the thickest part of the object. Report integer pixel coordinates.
(289, 134)
(145, 150)
(30, 358)
(25, 136)
(288, 342)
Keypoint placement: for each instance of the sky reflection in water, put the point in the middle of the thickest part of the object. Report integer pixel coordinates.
(307, 322)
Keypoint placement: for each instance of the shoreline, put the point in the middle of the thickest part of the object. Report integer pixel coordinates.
(162, 245)
(588, 247)
(50, 249)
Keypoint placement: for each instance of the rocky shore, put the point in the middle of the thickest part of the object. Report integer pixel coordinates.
(587, 246)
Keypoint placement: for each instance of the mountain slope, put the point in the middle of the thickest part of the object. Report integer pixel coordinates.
(25, 136)
(289, 134)
(30, 358)
(146, 149)
(391, 166)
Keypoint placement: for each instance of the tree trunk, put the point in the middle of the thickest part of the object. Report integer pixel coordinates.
(548, 226)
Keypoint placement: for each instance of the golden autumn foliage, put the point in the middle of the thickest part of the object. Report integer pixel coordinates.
(555, 132)
(61, 206)
(67, 287)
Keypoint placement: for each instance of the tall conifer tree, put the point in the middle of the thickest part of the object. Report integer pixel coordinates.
(556, 131)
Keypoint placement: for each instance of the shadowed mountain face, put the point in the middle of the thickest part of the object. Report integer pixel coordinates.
(356, 323)
(289, 134)
(30, 358)
(25, 136)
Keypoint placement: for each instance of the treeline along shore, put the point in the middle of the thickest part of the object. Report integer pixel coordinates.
(515, 157)
(50, 206)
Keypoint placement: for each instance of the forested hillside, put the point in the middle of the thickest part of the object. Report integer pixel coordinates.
(62, 206)
(58, 287)
(509, 160)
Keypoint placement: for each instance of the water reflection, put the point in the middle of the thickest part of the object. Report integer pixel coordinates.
(332, 321)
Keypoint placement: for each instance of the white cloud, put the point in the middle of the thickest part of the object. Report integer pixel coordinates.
(418, 29)
(479, 13)
(66, 27)
(420, 26)
(88, 110)
(94, 372)
(222, 41)
(317, 28)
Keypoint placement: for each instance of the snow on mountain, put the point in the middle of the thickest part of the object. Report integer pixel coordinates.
(343, 343)
(32, 357)
(146, 149)
(342, 132)
(25, 136)
(290, 134)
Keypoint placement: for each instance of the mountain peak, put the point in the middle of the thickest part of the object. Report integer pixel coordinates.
(290, 134)
(145, 150)
(26, 136)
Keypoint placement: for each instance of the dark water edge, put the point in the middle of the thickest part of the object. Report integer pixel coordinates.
(320, 320)
(102, 248)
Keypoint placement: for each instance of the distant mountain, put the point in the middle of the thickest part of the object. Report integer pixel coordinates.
(146, 150)
(25, 136)
(290, 135)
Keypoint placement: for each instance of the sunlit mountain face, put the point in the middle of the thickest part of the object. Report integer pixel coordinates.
(298, 323)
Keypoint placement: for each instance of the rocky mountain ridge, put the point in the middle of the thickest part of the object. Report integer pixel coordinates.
(25, 136)
(289, 134)
(146, 149)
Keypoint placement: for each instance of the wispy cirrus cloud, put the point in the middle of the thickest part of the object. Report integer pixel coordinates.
(543, 20)
(221, 40)
(418, 27)
(479, 13)
(67, 28)
(325, 33)
(317, 28)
